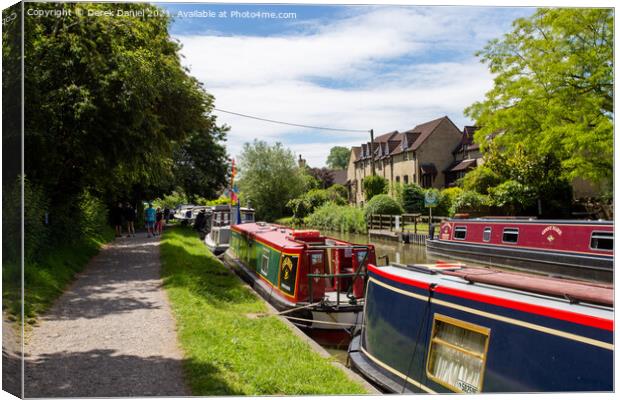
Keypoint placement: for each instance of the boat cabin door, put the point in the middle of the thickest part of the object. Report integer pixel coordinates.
(359, 260)
(316, 265)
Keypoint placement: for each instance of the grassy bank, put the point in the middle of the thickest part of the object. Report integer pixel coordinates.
(47, 278)
(228, 350)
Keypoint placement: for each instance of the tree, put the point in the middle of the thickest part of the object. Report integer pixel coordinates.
(553, 90)
(338, 157)
(323, 175)
(106, 103)
(269, 178)
(200, 164)
(382, 204)
(374, 185)
(412, 198)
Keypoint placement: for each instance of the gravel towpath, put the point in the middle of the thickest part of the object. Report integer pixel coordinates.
(111, 333)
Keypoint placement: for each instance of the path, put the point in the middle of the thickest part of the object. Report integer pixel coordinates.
(111, 334)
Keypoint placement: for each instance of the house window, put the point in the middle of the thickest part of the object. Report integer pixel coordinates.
(510, 235)
(602, 241)
(486, 234)
(460, 232)
(457, 354)
(398, 179)
(405, 179)
(427, 180)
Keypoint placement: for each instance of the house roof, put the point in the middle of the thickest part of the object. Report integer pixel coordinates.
(461, 165)
(418, 135)
(339, 176)
(357, 151)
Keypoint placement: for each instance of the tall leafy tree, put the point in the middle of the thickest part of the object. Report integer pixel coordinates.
(269, 178)
(106, 102)
(338, 157)
(553, 90)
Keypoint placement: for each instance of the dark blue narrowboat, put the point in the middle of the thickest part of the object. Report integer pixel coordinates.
(450, 328)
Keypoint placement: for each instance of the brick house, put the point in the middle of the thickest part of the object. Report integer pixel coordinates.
(418, 155)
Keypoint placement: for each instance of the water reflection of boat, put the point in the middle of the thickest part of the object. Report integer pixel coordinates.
(315, 281)
(450, 328)
(581, 249)
(221, 218)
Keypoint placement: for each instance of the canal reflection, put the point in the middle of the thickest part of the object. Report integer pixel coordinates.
(396, 251)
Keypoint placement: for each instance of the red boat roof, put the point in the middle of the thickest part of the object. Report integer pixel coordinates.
(274, 235)
(572, 290)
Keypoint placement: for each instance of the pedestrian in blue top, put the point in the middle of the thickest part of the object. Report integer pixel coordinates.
(150, 220)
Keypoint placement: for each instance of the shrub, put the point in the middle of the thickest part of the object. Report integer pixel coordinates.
(513, 196)
(412, 198)
(469, 200)
(382, 204)
(447, 197)
(339, 190)
(310, 201)
(335, 217)
(374, 185)
(481, 179)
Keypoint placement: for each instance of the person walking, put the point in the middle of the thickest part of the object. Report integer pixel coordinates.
(130, 218)
(167, 215)
(159, 216)
(149, 214)
(116, 215)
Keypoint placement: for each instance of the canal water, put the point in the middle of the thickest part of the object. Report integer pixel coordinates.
(396, 251)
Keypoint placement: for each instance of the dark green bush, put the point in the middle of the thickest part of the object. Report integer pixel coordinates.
(382, 204)
(412, 197)
(374, 185)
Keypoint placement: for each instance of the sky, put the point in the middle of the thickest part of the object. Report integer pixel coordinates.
(384, 68)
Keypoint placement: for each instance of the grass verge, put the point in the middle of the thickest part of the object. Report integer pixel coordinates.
(228, 351)
(46, 279)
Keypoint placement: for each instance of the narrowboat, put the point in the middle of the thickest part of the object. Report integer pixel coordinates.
(218, 237)
(317, 282)
(450, 328)
(570, 248)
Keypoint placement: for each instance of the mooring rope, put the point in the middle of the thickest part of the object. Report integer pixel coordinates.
(321, 322)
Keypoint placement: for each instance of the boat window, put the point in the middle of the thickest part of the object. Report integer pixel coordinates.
(457, 354)
(460, 232)
(511, 235)
(264, 264)
(486, 235)
(602, 241)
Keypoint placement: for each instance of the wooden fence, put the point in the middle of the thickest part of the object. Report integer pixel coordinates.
(408, 228)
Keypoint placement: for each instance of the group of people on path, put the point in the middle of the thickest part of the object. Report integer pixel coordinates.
(154, 219)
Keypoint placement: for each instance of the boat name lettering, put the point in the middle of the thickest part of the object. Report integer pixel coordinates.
(466, 387)
(552, 228)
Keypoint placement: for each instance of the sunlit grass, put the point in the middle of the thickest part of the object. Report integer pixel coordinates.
(228, 350)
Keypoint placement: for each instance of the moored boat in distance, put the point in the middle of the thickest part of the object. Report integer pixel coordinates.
(317, 282)
(571, 248)
(221, 218)
(450, 328)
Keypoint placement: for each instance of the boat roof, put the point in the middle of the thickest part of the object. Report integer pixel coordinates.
(591, 298)
(271, 233)
(519, 220)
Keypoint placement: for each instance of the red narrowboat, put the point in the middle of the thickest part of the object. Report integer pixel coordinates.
(317, 282)
(581, 249)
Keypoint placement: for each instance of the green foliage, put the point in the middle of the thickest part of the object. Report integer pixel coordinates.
(339, 190)
(223, 339)
(382, 204)
(308, 202)
(374, 185)
(219, 201)
(201, 164)
(412, 197)
(447, 197)
(309, 182)
(469, 200)
(481, 179)
(513, 196)
(171, 200)
(338, 157)
(269, 178)
(553, 90)
(334, 217)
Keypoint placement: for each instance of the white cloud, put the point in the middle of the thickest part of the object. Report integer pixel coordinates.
(280, 77)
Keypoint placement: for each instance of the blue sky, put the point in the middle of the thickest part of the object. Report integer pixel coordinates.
(356, 67)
